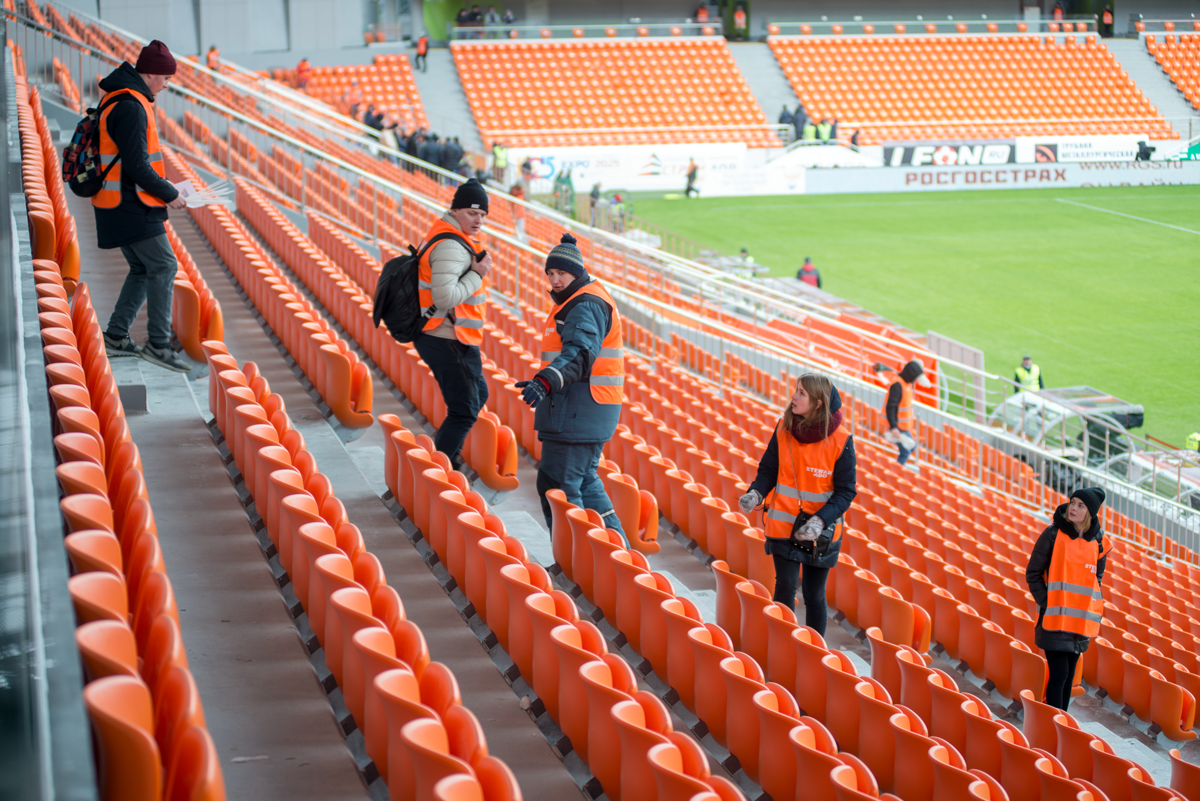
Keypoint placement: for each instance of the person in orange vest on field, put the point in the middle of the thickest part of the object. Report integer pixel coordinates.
(576, 395)
(303, 74)
(901, 417)
(131, 207)
(452, 289)
(807, 477)
(809, 274)
(1064, 573)
(422, 52)
(212, 58)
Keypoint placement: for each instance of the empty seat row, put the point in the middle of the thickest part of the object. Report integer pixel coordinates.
(1180, 60)
(408, 707)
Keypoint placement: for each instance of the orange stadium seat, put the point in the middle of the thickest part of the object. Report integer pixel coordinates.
(556, 92)
(388, 83)
(969, 87)
(1179, 58)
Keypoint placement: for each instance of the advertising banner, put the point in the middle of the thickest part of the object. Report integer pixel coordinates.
(1065, 149)
(949, 154)
(638, 168)
(1032, 176)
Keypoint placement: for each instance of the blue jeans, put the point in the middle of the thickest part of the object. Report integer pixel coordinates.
(812, 588)
(151, 281)
(571, 467)
(459, 373)
(904, 453)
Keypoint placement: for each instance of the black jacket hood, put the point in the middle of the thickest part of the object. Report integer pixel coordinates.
(912, 371)
(1067, 527)
(835, 400)
(126, 77)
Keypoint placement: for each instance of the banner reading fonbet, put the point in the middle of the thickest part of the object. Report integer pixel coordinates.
(659, 168)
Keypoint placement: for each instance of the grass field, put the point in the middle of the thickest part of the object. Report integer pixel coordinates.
(1098, 298)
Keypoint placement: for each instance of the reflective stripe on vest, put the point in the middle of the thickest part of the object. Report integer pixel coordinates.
(1073, 599)
(468, 315)
(607, 377)
(109, 196)
(905, 418)
(804, 481)
(1028, 379)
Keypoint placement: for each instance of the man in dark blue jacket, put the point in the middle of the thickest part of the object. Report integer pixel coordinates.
(572, 424)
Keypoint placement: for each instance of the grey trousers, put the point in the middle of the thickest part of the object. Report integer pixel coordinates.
(571, 467)
(151, 281)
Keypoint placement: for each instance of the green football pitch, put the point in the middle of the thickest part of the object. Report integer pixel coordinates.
(1101, 285)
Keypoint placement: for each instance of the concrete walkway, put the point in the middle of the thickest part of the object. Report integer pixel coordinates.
(1156, 85)
(445, 101)
(762, 72)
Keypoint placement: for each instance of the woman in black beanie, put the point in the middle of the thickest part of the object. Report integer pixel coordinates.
(1064, 573)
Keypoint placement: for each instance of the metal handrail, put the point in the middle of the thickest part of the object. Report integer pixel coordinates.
(710, 281)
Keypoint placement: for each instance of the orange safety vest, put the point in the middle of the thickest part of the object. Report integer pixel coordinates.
(211, 58)
(110, 196)
(607, 378)
(739, 19)
(303, 70)
(905, 419)
(422, 45)
(468, 315)
(1073, 601)
(809, 276)
(804, 482)
(1108, 18)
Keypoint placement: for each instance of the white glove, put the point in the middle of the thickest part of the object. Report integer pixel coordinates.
(748, 502)
(811, 529)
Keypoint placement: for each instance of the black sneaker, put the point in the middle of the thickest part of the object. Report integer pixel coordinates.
(120, 347)
(165, 357)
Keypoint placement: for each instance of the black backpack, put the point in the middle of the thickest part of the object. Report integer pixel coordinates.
(81, 159)
(397, 302)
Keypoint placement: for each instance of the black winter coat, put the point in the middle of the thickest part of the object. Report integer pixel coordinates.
(1035, 577)
(131, 221)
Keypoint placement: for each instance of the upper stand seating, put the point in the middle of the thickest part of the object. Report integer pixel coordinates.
(555, 88)
(937, 87)
(1180, 60)
(388, 84)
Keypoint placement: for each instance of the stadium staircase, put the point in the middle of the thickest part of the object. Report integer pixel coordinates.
(761, 70)
(445, 100)
(1141, 66)
(615, 659)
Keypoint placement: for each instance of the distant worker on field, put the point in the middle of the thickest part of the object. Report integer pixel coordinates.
(824, 130)
(1028, 376)
(693, 171)
(901, 416)
(809, 274)
(747, 259)
(1193, 442)
(809, 131)
(212, 58)
(423, 53)
(303, 73)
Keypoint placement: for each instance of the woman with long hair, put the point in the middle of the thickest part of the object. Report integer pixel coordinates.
(1064, 573)
(805, 483)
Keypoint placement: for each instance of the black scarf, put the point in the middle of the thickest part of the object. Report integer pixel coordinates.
(579, 283)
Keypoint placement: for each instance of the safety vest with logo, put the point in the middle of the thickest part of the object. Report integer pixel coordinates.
(1193, 442)
(1028, 379)
(904, 415)
(1073, 600)
(607, 377)
(468, 315)
(804, 482)
(109, 197)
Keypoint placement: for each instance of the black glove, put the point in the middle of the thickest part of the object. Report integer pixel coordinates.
(534, 391)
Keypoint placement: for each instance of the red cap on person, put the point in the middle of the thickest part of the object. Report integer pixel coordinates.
(156, 59)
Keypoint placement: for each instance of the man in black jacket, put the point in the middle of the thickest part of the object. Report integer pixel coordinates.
(135, 224)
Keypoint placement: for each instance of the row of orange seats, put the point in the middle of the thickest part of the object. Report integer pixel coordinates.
(140, 696)
(1180, 60)
(408, 707)
(591, 693)
(341, 380)
(66, 86)
(195, 314)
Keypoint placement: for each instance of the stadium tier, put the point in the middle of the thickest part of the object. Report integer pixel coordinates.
(966, 87)
(601, 92)
(608, 651)
(387, 83)
(1180, 60)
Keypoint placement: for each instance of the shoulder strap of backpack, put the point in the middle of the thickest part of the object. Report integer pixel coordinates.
(108, 101)
(442, 237)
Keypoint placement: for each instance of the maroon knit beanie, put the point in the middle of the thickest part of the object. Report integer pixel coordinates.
(156, 59)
